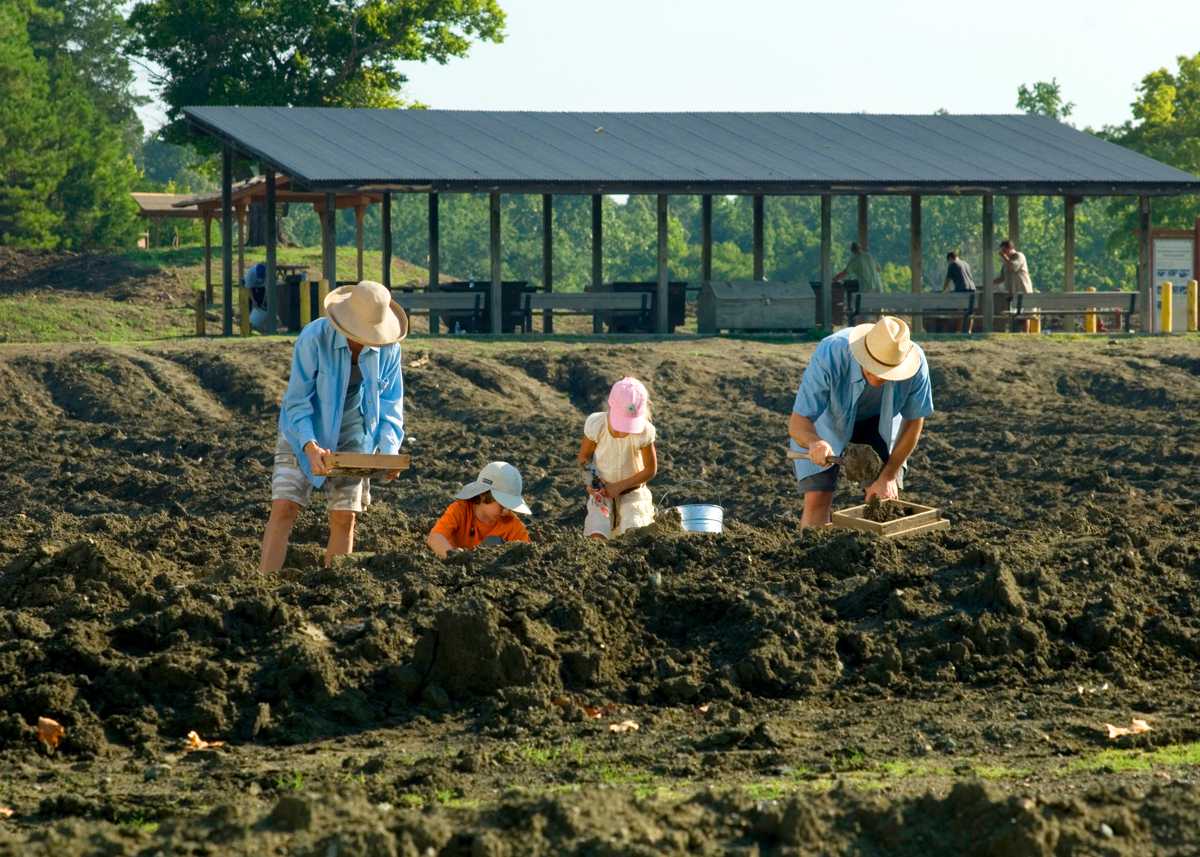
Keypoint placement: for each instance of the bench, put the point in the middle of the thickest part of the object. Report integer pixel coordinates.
(586, 303)
(957, 305)
(1038, 304)
(467, 305)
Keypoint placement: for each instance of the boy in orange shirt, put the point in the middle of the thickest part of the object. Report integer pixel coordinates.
(482, 512)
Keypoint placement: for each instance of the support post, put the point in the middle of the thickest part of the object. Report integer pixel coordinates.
(1069, 243)
(241, 243)
(1089, 317)
(227, 241)
(208, 282)
(915, 260)
(989, 267)
(386, 226)
(434, 255)
(1193, 307)
(272, 243)
(706, 237)
(597, 255)
(497, 288)
(758, 237)
(548, 257)
(359, 211)
(1014, 220)
(329, 241)
(1145, 275)
(864, 221)
(825, 316)
(664, 316)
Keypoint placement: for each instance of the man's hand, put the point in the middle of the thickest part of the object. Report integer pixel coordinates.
(316, 458)
(819, 453)
(885, 488)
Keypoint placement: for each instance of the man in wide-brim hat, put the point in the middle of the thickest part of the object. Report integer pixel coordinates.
(345, 394)
(866, 384)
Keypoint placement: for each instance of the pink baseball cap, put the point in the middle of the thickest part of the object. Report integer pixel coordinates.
(627, 403)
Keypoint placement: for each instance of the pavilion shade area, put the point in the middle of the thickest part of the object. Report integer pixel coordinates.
(358, 151)
(452, 150)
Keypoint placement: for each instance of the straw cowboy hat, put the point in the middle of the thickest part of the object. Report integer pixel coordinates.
(366, 313)
(885, 349)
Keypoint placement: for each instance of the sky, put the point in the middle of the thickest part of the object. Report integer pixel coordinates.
(871, 56)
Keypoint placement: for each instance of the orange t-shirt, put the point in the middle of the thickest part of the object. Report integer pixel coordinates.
(463, 530)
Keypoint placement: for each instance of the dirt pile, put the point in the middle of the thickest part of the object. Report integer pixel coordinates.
(112, 276)
(973, 818)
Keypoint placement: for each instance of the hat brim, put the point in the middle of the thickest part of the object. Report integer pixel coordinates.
(393, 329)
(627, 424)
(512, 502)
(902, 372)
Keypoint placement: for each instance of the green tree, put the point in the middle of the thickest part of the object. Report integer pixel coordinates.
(299, 52)
(1044, 98)
(30, 166)
(93, 35)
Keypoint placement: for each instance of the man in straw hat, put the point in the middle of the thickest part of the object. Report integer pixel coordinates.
(345, 394)
(865, 384)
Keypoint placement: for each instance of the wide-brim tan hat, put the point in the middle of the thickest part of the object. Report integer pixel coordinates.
(366, 313)
(886, 349)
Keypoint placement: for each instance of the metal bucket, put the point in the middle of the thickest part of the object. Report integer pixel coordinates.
(701, 518)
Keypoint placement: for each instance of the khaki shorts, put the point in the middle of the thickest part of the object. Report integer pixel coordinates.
(288, 482)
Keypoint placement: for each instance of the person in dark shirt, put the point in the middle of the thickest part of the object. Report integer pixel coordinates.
(958, 273)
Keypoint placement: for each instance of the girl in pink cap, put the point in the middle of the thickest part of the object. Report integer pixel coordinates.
(618, 459)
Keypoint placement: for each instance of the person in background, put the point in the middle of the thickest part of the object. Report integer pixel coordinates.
(345, 394)
(617, 458)
(863, 268)
(1014, 275)
(959, 279)
(866, 384)
(482, 513)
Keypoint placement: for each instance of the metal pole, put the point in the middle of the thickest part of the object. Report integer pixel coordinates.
(989, 250)
(1069, 243)
(434, 256)
(548, 257)
(758, 236)
(497, 288)
(272, 242)
(864, 221)
(227, 241)
(329, 241)
(664, 316)
(825, 316)
(1145, 275)
(386, 226)
(706, 237)
(915, 260)
(597, 255)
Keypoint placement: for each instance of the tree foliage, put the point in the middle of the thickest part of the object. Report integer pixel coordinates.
(1044, 98)
(299, 52)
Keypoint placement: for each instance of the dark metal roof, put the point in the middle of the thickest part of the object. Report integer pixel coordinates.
(685, 152)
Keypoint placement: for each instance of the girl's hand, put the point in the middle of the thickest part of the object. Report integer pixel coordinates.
(612, 491)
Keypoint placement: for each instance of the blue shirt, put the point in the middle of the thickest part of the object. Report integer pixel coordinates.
(316, 394)
(829, 393)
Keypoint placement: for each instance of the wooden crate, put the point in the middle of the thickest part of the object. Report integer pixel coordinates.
(367, 464)
(920, 519)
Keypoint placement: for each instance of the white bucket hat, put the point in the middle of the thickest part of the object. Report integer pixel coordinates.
(505, 483)
(366, 313)
(886, 349)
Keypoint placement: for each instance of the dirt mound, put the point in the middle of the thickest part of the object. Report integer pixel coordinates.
(137, 487)
(115, 277)
(973, 818)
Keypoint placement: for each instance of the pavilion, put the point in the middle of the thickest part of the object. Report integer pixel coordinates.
(335, 154)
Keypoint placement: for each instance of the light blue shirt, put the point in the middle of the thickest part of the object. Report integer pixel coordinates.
(830, 390)
(316, 394)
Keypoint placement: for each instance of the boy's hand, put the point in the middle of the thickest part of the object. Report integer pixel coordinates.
(316, 458)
